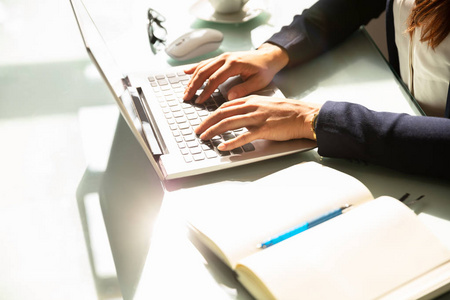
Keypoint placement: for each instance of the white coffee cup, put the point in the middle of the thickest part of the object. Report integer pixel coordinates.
(227, 6)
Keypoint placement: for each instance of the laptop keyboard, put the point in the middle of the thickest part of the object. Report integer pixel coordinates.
(184, 116)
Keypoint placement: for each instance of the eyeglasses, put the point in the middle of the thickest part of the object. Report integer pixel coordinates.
(157, 34)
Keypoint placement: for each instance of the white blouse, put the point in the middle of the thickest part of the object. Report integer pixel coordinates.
(425, 71)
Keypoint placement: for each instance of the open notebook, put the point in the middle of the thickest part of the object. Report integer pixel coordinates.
(378, 249)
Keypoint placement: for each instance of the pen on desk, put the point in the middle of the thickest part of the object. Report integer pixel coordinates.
(302, 227)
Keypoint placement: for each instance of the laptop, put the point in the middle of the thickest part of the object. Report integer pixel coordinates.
(163, 123)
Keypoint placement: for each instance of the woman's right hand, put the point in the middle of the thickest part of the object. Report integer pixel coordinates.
(256, 68)
(269, 118)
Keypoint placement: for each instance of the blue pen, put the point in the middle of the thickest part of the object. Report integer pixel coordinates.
(302, 227)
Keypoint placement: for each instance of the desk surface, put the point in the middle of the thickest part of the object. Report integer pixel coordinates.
(152, 253)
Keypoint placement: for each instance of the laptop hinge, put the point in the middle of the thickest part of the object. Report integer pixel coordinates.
(126, 82)
(150, 132)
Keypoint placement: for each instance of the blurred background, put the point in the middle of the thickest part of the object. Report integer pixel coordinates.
(45, 79)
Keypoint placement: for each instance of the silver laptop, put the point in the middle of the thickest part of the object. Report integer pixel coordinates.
(164, 124)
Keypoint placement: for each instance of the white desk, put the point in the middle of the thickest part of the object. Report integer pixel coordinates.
(132, 197)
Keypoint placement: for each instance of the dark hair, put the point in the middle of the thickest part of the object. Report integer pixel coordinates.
(433, 16)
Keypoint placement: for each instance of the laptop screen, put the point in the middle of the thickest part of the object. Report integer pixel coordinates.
(98, 50)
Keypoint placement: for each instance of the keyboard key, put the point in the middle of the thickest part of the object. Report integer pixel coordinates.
(192, 144)
(178, 114)
(174, 80)
(184, 77)
(186, 131)
(211, 108)
(175, 108)
(210, 154)
(206, 147)
(173, 102)
(219, 98)
(203, 113)
(187, 158)
(181, 119)
(188, 109)
(192, 116)
(162, 82)
(228, 136)
(198, 157)
(248, 147)
(237, 150)
(184, 126)
(224, 153)
(173, 127)
(170, 97)
(195, 122)
(196, 150)
(190, 137)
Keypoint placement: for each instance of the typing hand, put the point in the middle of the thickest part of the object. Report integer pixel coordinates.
(264, 117)
(256, 68)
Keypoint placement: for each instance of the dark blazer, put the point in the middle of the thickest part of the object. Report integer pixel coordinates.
(414, 144)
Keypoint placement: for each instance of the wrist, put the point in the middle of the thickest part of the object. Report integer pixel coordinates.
(310, 123)
(313, 125)
(279, 56)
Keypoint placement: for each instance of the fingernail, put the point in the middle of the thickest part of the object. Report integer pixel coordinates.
(221, 147)
(232, 96)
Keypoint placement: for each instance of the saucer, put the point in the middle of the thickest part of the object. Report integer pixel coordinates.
(203, 10)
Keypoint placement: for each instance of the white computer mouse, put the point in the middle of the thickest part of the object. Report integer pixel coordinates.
(195, 43)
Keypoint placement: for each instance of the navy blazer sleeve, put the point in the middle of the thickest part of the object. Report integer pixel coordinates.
(409, 143)
(414, 144)
(324, 25)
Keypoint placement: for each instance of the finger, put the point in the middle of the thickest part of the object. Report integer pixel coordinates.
(190, 90)
(189, 69)
(227, 124)
(253, 84)
(238, 141)
(200, 75)
(215, 79)
(232, 108)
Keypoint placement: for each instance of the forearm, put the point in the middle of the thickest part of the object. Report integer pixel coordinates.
(324, 25)
(408, 143)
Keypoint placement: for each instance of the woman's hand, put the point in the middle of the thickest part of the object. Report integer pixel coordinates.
(256, 68)
(264, 117)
